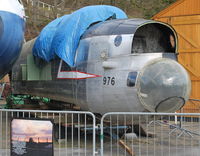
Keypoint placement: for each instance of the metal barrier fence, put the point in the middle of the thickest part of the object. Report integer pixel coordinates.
(131, 134)
(150, 134)
(43, 4)
(40, 4)
(74, 132)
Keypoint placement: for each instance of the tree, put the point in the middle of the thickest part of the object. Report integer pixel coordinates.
(41, 12)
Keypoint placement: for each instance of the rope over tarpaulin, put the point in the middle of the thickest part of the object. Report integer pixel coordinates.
(61, 37)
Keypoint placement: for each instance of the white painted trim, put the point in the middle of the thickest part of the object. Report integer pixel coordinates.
(73, 74)
(12, 6)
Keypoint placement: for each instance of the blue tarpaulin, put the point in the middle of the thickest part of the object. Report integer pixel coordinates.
(61, 36)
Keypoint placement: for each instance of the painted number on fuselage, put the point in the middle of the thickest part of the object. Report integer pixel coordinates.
(109, 80)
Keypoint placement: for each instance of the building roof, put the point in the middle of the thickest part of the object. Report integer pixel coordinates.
(172, 6)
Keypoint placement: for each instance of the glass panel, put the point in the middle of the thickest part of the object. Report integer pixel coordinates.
(131, 79)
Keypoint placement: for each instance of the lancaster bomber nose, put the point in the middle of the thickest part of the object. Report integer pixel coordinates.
(163, 85)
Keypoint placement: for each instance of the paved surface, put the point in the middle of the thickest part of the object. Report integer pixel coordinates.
(81, 152)
(173, 151)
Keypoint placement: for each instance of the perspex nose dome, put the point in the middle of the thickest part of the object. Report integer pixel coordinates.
(163, 85)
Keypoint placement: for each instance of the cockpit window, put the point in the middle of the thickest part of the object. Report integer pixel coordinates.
(154, 38)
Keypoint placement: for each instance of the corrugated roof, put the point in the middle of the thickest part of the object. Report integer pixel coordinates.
(178, 2)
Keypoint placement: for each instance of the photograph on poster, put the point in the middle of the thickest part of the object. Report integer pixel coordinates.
(31, 137)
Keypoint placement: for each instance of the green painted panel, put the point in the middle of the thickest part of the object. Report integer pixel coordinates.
(35, 73)
(45, 73)
(24, 72)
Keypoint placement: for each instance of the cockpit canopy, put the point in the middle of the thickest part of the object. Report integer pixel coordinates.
(135, 36)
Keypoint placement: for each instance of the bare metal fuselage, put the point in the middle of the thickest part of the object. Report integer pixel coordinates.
(129, 67)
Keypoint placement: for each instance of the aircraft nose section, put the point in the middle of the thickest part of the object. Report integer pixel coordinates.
(163, 85)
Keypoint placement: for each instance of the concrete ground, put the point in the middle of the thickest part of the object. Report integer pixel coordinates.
(80, 152)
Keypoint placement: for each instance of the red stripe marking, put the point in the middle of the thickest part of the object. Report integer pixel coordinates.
(94, 75)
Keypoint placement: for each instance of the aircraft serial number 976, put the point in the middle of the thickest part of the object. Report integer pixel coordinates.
(109, 80)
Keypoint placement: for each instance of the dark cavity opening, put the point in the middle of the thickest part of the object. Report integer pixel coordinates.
(154, 38)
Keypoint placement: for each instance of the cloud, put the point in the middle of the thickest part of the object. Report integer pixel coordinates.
(47, 131)
(32, 128)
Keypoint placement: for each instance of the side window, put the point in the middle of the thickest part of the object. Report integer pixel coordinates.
(131, 79)
(65, 67)
(82, 52)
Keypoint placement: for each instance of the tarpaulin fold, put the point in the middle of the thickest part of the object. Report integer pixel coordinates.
(61, 37)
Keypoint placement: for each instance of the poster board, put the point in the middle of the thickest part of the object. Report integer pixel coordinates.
(31, 137)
